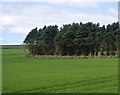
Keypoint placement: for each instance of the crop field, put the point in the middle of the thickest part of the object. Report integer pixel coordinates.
(52, 75)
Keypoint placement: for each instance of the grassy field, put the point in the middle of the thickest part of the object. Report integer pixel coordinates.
(35, 75)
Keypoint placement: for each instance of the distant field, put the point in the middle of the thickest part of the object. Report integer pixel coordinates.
(36, 75)
(11, 46)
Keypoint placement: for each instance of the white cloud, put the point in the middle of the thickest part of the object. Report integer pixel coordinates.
(7, 20)
(33, 16)
(113, 11)
(1, 29)
(26, 26)
(76, 4)
(60, 0)
(101, 18)
(0, 39)
(19, 29)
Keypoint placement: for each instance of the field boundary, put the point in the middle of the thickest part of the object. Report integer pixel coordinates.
(67, 57)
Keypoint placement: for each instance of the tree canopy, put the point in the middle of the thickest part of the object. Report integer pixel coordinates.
(75, 39)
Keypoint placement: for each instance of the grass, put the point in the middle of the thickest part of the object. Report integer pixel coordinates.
(39, 75)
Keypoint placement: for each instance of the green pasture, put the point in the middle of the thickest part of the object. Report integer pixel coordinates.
(52, 75)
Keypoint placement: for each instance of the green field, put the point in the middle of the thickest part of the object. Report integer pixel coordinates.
(36, 75)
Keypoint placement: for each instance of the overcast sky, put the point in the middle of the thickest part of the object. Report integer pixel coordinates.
(19, 17)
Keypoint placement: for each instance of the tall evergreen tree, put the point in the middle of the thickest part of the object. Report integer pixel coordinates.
(75, 39)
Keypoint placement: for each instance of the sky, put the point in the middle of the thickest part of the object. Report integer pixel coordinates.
(19, 17)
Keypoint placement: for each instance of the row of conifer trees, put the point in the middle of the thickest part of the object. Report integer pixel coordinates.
(75, 39)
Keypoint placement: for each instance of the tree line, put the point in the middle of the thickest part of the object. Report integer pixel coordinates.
(75, 39)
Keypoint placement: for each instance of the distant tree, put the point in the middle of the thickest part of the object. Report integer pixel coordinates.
(75, 39)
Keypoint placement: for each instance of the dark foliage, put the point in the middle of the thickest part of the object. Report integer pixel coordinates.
(75, 39)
